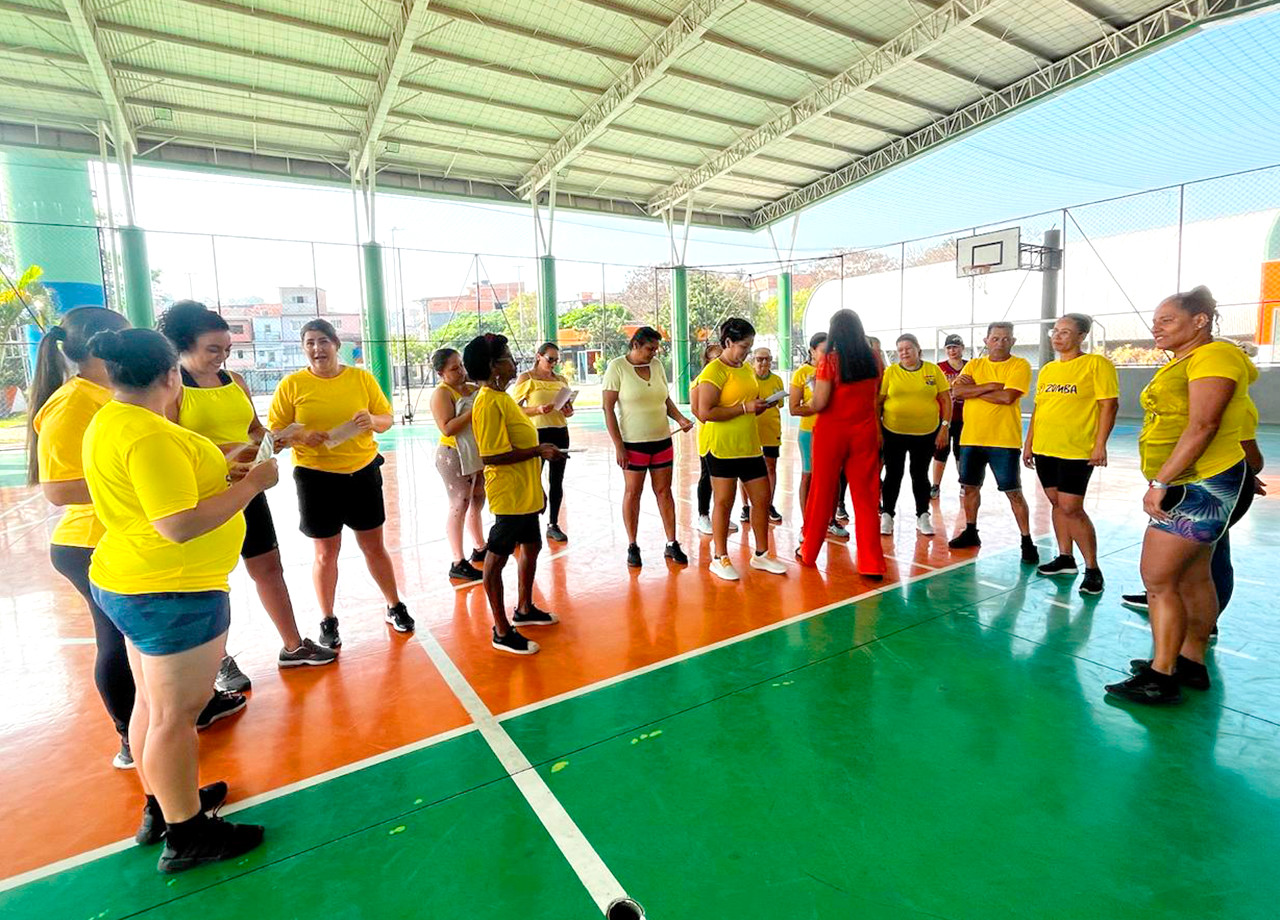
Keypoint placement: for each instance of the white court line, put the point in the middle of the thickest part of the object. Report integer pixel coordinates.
(1250, 581)
(992, 584)
(1060, 604)
(581, 856)
(71, 862)
(1132, 625)
(22, 504)
(921, 565)
(1233, 653)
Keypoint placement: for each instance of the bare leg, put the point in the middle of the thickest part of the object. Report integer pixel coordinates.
(1165, 560)
(633, 486)
(1061, 527)
(526, 569)
(1201, 599)
(1078, 527)
(324, 572)
(939, 467)
(660, 482)
(1021, 513)
(140, 717)
(474, 522)
(722, 492)
(758, 491)
(493, 566)
(972, 501)
(804, 492)
(379, 563)
(771, 463)
(268, 577)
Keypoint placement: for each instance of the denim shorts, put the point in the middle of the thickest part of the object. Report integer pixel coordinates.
(972, 461)
(1201, 511)
(167, 623)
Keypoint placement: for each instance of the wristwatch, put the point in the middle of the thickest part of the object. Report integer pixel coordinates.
(946, 424)
(1157, 484)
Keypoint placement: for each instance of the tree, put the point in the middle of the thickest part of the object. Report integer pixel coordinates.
(602, 324)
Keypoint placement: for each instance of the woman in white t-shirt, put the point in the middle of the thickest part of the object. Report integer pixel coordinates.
(636, 410)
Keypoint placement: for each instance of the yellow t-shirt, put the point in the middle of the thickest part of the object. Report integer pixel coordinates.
(1067, 411)
(911, 398)
(739, 436)
(140, 468)
(1166, 404)
(1247, 409)
(534, 392)
(222, 414)
(449, 440)
(499, 426)
(642, 404)
(987, 424)
(803, 378)
(769, 422)
(60, 425)
(323, 404)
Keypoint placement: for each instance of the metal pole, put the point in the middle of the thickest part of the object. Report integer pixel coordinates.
(1182, 202)
(680, 330)
(137, 278)
(784, 323)
(1049, 291)
(217, 288)
(376, 318)
(547, 320)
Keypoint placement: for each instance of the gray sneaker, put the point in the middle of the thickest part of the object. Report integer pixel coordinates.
(308, 653)
(230, 678)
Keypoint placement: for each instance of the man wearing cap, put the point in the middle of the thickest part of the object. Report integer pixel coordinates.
(954, 346)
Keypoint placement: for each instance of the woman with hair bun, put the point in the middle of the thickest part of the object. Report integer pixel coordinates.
(451, 405)
(336, 468)
(535, 393)
(512, 458)
(1190, 453)
(217, 403)
(173, 530)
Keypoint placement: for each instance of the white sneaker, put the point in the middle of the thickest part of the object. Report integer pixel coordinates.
(924, 524)
(721, 567)
(704, 524)
(835, 530)
(767, 563)
(733, 528)
(886, 523)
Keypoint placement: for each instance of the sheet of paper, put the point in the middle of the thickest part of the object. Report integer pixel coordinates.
(563, 398)
(266, 450)
(341, 434)
(774, 398)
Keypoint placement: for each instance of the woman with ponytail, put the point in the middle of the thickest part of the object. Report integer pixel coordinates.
(61, 409)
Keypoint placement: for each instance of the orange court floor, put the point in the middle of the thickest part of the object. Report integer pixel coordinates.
(63, 805)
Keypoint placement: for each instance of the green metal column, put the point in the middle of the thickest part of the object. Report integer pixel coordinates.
(680, 330)
(547, 322)
(377, 345)
(784, 323)
(137, 278)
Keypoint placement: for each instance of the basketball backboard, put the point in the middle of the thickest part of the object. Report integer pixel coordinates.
(996, 251)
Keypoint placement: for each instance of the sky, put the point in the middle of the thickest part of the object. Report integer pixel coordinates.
(1204, 106)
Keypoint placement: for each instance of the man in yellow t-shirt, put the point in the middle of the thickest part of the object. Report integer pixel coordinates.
(768, 426)
(992, 387)
(1077, 397)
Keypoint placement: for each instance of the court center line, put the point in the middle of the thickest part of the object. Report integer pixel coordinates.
(22, 504)
(567, 836)
(992, 584)
(71, 862)
(1060, 604)
(1232, 652)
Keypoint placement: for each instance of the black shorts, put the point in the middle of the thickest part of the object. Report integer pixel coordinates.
(773, 453)
(512, 530)
(744, 468)
(329, 501)
(649, 455)
(1006, 462)
(557, 436)
(953, 443)
(259, 528)
(1069, 476)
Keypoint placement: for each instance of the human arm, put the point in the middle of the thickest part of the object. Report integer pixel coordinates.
(257, 430)
(376, 415)
(521, 454)
(211, 513)
(705, 397)
(1107, 411)
(447, 419)
(282, 414)
(674, 413)
(67, 492)
(822, 396)
(796, 404)
(1028, 458)
(944, 423)
(609, 402)
(1253, 457)
(1207, 398)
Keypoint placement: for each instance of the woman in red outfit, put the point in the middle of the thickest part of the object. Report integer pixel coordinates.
(846, 438)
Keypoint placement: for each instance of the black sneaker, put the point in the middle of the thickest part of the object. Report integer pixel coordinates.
(514, 643)
(968, 538)
(152, 829)
(1092, 583)
(745, 514)
(842, 516)
(534, 617)
(206, 839)
(675, 553)
(123, 760)
(1134, 601)
(230, 678)
(1148, 687)
(775, 516)
(1191, 674)
(477, 556)
(1030, 554)
(464, 571)
(633, 556)
(555, 533)
(329, 637)
(220, 707)
(1061, 565)
(398, 617)
(308, 653)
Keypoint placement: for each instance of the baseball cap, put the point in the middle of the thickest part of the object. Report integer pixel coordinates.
(953, 339)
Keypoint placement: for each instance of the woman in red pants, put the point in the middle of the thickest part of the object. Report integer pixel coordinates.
(846, 438)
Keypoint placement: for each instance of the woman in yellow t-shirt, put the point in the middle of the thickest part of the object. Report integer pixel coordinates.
(536, 392)
(726, 401)
(769, 427)
(1077, 397)
(1190, 452)
(512, 459)
(61, 408)
(217, 403)
(173, 529)
(328, 413)
(915, 415)
(451, 408)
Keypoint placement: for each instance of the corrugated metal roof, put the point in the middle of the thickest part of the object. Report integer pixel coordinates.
(743, 109)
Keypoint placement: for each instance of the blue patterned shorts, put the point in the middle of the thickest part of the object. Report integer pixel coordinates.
(1200, 511)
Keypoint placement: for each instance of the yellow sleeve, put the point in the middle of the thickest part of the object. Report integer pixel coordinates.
(378, 402)
(613, 377)
(1216, 362)
(1106, 382)
(489, 425)
(1019, 377)
(798, 379)
(280, 415)
(523, 388)
(162, 475)
(884, 379)
(714, 374)
(58, 448)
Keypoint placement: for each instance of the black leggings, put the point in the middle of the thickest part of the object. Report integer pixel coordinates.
(897, 448)
(111, 670)
(704, 489)
(560, 438)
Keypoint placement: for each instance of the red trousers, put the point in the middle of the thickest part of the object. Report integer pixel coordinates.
(855, 449)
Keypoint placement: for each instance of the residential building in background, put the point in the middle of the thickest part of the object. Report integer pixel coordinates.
(266, 338)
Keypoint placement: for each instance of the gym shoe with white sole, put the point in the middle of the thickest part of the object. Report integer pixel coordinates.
(230, 678)
(514, 643)
(766, 563)
(124, 759)
(721, 567)
(1062, 564)
(886, 523)
(308, 653)
(329, 636)
(534, 616)
(220, 707)
(924, 525)
(704, 524)
(398, 617)
(835, 530)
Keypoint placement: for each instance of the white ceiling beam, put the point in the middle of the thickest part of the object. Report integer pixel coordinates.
(685, 32)
(903, 48)
(84, 28)
(410, 24)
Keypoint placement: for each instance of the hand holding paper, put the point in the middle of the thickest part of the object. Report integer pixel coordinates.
(344, 432)
(563, 398)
